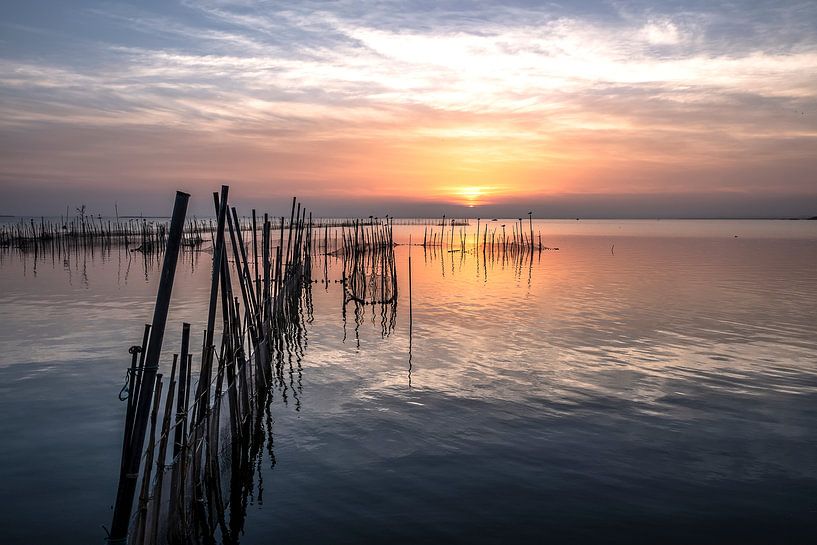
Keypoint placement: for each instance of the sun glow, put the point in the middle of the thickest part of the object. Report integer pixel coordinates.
(472, 195)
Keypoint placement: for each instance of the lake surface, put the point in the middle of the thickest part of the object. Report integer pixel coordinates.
(647, 382)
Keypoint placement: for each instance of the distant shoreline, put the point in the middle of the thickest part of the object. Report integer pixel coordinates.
(129, 217)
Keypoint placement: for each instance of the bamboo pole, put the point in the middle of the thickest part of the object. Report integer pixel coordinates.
(203, 389)
(143, 496)
(160, 460)
(124, 500)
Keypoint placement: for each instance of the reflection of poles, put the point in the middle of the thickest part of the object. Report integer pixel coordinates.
(530, 271)
(199, 498)
(411, 316)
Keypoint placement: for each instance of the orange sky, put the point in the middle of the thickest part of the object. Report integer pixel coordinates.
(473, 106)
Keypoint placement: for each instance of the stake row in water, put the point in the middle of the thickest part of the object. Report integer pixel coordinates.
(219, 425)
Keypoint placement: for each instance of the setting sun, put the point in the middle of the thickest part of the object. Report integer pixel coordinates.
(470, 195)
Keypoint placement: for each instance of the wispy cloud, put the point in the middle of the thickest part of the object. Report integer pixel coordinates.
(540, 100)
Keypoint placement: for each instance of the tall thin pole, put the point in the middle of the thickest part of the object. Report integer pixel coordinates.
(127, 484)
(530, 218)
(182, 396)
(203, 388)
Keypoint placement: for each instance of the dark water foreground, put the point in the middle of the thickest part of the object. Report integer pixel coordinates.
(634, 386)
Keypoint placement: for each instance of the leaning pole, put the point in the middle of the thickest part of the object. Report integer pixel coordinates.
(132, 458)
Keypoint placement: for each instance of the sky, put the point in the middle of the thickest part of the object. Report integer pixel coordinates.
(626, 108)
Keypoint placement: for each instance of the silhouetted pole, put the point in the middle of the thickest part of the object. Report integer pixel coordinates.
(180, 404)
(411, 315)
(530, 218)
(127, 485)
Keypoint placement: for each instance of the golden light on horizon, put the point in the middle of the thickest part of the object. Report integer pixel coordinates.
(471, 195)
(520, 106)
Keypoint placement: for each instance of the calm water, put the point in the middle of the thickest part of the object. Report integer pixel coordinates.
(648, 382)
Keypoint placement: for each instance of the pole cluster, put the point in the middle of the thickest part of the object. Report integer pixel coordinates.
(181, 439)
